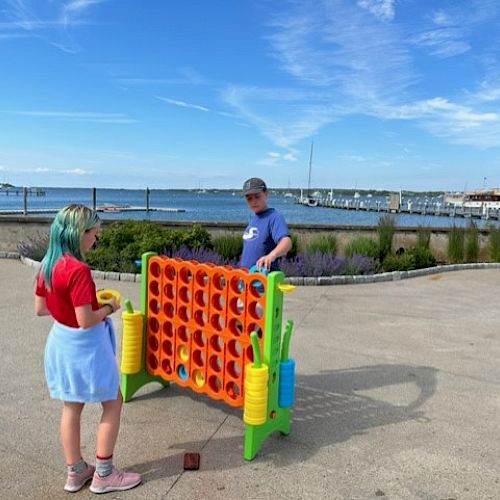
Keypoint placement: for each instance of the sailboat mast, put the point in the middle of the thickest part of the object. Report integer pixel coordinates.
(310, 165)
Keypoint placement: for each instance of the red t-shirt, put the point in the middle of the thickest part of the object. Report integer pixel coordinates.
(72, 286)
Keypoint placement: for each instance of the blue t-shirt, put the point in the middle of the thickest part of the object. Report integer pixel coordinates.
(263, 233)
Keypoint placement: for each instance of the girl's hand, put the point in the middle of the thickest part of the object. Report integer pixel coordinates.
(112, 302)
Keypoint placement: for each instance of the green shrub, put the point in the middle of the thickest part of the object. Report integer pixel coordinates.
(362, 245)
(123, 243)
(423, 237)
(402, 262)
(414, 258)
(456, 238)
(228, 245)
(295, 247)
(494, 244)
(324, 244)
(471, 243)
(422, 257)
(385, 228)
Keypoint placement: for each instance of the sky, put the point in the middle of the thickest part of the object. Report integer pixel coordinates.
(391, 94)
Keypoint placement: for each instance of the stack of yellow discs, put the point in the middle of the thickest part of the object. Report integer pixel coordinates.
(131, 342)
(255, 394)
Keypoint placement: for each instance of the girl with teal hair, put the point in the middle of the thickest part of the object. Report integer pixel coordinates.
(80, 363)
(66, 231)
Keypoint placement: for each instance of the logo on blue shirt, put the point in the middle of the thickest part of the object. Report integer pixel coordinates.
(251, 233)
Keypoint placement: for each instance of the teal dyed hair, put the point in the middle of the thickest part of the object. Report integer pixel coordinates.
(65, 236)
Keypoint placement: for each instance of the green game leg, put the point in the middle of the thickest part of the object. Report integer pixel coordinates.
(130, 384)
(255, 435)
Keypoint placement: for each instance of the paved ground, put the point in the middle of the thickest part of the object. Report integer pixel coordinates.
(398, 397)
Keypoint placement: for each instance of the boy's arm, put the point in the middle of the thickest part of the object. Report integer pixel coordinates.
(280, 250)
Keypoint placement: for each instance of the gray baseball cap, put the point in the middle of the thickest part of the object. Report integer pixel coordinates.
(254, 185)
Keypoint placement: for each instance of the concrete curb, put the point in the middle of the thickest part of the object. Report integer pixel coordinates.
(300, 281)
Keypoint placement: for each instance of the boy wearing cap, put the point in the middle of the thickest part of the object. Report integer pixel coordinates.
(266, 238)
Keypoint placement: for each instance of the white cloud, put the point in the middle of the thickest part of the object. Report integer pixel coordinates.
(319, 47)
(78, 171)
(383, 9)
(182, 104)
(442, 42)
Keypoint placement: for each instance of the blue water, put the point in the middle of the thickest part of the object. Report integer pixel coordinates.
(216, 206)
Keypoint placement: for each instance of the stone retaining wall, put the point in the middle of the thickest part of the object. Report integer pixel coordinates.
(17, 228)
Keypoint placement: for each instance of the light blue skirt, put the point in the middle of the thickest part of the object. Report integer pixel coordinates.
(80, 363)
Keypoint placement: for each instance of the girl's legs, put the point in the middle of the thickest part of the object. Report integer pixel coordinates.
(108, 478)
(70, 431)
(107, 431)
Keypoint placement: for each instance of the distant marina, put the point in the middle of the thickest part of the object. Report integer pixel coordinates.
(480, 204)
(323, 207)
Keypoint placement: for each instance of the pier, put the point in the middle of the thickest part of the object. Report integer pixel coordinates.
(410, 207)
(22, 191)
(104, 209)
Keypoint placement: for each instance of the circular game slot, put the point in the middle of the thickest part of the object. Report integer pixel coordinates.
(234, 347)
(154, 269)
(169, 291)
(198, 378)
(183, 352)
(185, 294)
(183, 333)
(217, 343)
(257, 288)
(199, 338)
(181, 372)
(168, 309)
(233, 390)
(168, 329)
(254, 327)
(185, 275)
(236, 306)
(166, 366)
(199, 357)
(184, 313)
(237, 284)
(235, 326)
(249, 352)
(214, 383)
(217, 322)
(154, 306)
(169, 272)
(218, 301)
(153, 325)
(153, 343)
(154, 287)
(215, 363)
(200, 317)
(201, 278)
(152, 362)
(219, 281)
(234, 369)
(201, 298)
(167, 347)
(256, 310)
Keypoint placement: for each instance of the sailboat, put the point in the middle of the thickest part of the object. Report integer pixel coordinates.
(309, 200)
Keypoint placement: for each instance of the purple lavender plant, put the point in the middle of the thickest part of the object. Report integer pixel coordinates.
(202, 255)
(318, 264)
